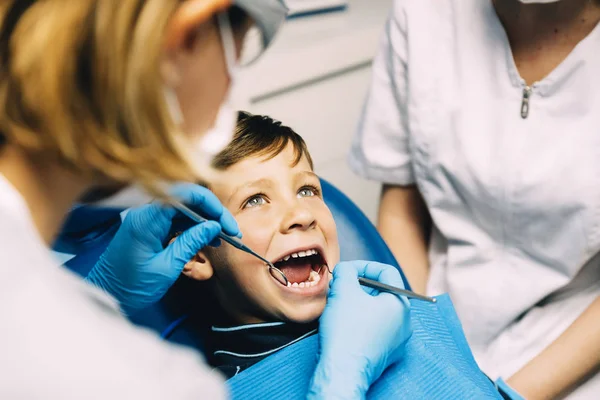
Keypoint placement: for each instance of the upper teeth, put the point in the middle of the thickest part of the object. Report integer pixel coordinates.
(300, 254)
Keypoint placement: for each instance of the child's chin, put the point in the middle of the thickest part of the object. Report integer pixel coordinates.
(305, 316)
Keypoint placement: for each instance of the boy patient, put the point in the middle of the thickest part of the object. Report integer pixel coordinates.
(265, 178)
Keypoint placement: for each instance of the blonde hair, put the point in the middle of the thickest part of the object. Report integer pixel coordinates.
(80, 82)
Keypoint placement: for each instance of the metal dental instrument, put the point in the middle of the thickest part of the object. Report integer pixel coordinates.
(278, 274)
(394, 290)
(235, 242)
(382, 287)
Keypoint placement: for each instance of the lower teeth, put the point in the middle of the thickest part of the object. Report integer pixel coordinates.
(313, 279)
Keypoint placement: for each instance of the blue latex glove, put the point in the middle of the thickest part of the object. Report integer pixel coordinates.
(361, 331)
(137, 269)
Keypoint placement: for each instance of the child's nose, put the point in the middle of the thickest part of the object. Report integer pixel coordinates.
(298, 217)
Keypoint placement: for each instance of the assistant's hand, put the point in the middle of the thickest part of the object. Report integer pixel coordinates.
(136, 268)
(361, 331)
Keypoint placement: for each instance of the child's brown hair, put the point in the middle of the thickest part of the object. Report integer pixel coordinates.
(259, 135)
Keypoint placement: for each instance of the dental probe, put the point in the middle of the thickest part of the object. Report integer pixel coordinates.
(394, 290)
(235, 242)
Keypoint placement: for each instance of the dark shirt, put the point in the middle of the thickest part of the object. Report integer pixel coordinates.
(234, 348)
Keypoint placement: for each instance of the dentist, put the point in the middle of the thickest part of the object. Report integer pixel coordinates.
(97, 95)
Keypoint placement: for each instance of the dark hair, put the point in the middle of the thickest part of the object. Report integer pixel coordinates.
(259, 135)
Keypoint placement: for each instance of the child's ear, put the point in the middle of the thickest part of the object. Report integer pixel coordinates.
(199, 268)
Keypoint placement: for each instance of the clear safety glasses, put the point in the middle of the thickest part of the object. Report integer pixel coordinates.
(242, 40)
(247, 28)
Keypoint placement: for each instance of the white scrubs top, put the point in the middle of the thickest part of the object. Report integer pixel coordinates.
(515, 201)
(63, 339)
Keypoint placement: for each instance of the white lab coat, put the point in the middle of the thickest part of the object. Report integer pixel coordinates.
(515, 202)
(63, 339)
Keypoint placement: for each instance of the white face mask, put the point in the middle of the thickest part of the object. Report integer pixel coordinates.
(201, 148)
(221, 133)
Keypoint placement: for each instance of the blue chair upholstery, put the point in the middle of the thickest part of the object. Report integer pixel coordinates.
(88, 230)
(358, 237)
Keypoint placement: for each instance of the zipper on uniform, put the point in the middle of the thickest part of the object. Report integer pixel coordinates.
(525, 102)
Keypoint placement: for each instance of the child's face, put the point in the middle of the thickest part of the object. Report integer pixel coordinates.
(281, 212)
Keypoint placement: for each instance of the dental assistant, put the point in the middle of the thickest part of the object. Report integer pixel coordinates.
(98, 95)
(483, 125)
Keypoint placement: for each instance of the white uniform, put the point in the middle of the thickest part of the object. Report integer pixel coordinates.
(515, 201)
(63, 339)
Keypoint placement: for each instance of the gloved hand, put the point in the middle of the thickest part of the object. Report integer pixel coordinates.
(361, 331)
(136, 268)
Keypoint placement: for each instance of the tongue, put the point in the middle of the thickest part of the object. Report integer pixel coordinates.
(296, 272)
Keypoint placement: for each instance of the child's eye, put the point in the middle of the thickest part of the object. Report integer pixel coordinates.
(255, 201)
(308, 191)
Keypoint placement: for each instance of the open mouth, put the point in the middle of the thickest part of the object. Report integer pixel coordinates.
(303, 268)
